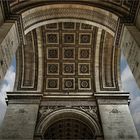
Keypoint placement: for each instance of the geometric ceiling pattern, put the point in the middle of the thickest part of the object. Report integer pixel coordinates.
(76, 57)
(67, 57)
(68, 63)
(70, 56)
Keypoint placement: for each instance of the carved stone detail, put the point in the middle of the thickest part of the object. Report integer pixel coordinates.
(84, 54)
(92, 110)
(68, 38)
(52, 38)
(53, 26)
(68, 68)
(52, 53)
(84, 68)
(84, 83)
(68, 26)
(68, 83)
(53, 68)
(85, 26)
(72, 12)
(68, 53)
(52, 83)
(85, 39)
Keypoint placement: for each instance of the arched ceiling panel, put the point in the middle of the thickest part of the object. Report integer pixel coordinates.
(56, 63)
(74, 11)
(120, 7)
(68, 57)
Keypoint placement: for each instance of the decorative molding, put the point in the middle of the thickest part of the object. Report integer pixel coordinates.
(36, 15)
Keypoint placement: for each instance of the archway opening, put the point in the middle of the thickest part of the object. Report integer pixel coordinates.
(69, 129)
(68, 123)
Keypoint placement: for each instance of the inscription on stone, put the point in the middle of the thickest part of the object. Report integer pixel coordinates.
(84, 69)
(69, 25)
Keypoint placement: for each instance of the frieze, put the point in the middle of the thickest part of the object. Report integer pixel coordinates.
(45, 110)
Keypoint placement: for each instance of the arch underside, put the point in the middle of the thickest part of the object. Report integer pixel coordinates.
(77, 22)
(63, 129)
(119, 7)
(67, 123)
(68, 69)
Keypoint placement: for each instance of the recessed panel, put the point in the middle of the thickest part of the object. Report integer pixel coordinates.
(52, 53)
(84, 53)
(68, 38)
(52, 38)
(53, 26)
(53, 68)
(52, 84)
(85, 38)
(68, 53)
(84, 68)
(68, 68)
(84, 83)
(68, 84)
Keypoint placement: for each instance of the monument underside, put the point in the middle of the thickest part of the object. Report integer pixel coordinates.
(68, 71)
(63, 36)
(68, 58)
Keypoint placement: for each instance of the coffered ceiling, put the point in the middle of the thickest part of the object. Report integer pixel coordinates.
(70, 46)
(69, 56)
(69, 59)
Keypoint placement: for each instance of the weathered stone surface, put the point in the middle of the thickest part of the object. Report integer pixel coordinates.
(116, 121)
(19, 122)
(79, 62)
